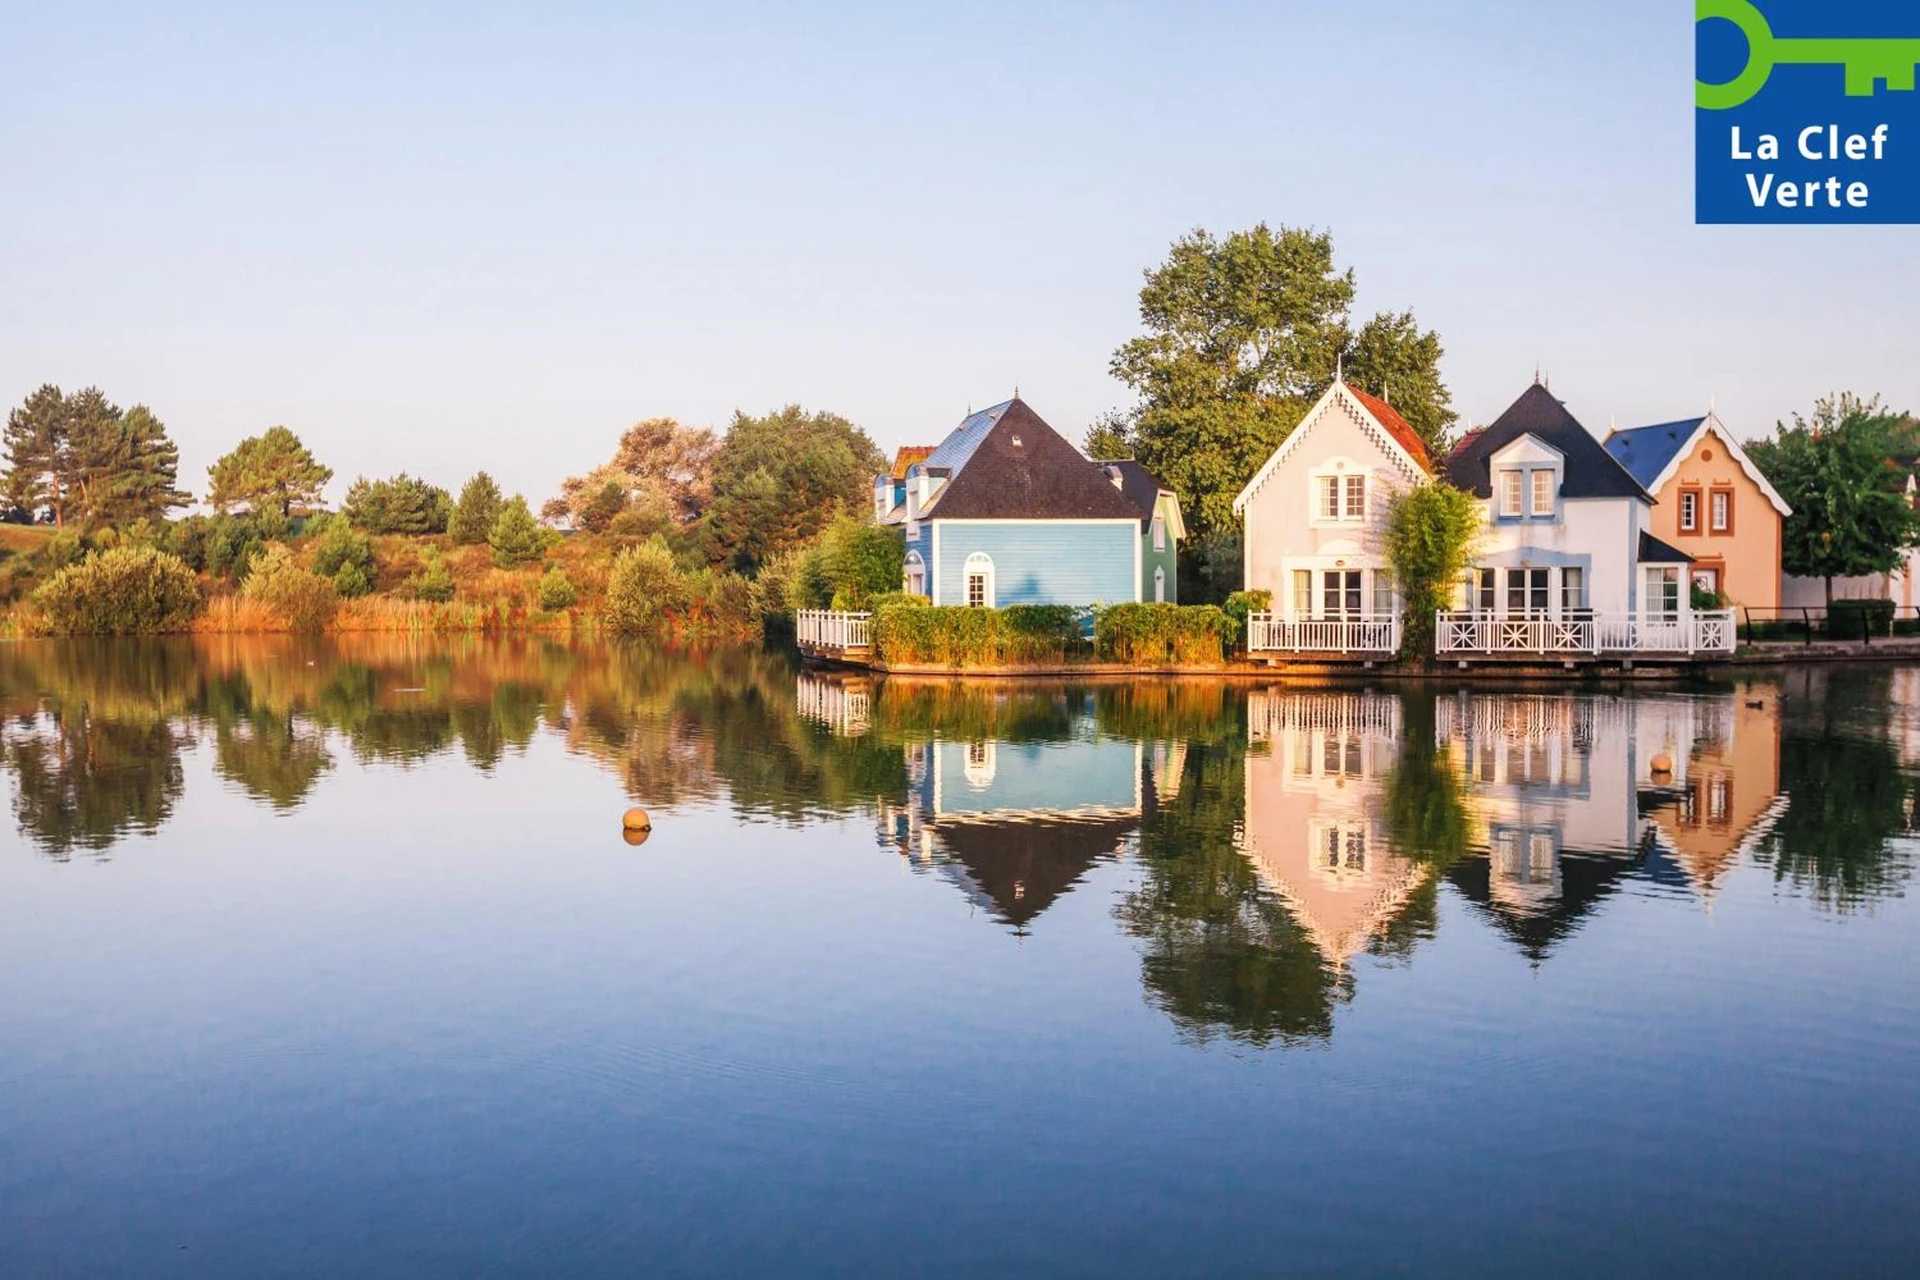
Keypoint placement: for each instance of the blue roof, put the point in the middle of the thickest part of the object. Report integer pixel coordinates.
(958, 447)
(1646, 451)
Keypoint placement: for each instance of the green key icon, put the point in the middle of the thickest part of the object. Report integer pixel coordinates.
(1867, 61)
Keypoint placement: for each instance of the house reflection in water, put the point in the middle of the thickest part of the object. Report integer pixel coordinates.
(1017, 823)
(1315, 828)
(1722, 793)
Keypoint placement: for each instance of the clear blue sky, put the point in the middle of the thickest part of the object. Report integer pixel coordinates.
(476, 236)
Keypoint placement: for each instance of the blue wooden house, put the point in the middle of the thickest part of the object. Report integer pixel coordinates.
(1006, 511)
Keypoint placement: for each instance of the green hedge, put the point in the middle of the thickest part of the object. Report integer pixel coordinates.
(1162, 634)
(956, 636)
(1852, 619)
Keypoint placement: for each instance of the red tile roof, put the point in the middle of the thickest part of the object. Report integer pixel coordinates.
(906, 456)
(1396, 426)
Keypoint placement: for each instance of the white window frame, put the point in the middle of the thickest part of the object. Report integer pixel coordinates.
(1660, 576)
(916, 574)
(1573, 596)
(1719, 510)
(1541, 504)
(1512, 491)
(1689, 511)
(980, 565)
(1159, 532)
(1341, 495)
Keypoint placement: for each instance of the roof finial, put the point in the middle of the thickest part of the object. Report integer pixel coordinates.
(1536, 373)
(1016, 391)
(1710, 399)
(1339, 366)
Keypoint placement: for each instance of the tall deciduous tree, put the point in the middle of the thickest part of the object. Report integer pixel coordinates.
(1394, 359)
(270, 470)
(658, 465)
(1850, 512)
(778, 479)
(1242, 334)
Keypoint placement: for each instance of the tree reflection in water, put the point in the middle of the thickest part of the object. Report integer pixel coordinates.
(1277, 839)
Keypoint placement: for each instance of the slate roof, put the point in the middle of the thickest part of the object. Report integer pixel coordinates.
(1021, 868)
(1013, 466)
(1397, 426)
(1646, 451)
(1591, 472)
(1137, 485)
(1654, 551)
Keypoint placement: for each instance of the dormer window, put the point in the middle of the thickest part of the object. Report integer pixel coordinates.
(1543, 493)
(1510, 491)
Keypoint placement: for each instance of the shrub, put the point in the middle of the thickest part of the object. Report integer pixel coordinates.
(65, 547)
(956, 636)
(126, 591)
(304, 600)
(474, 514)
(1430, 535)
(557, 591)
(635, 521)
(775, 587)
(344, 554)
(1242, 603)
(1855, 619)
(516, 538)
(643, 588)
(720, 602)
(434, 582)
(1159, 634)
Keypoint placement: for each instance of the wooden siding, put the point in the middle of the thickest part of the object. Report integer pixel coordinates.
(1041, 561)
(1168, 559)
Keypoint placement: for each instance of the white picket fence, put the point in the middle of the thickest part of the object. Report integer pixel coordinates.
(1358, 634)
(1709, 632)
(832, 629)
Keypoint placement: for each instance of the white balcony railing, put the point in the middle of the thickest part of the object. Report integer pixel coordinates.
(1706, 632)
(831, 629)
(1368, 635)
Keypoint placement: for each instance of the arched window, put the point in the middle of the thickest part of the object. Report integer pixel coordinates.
(1159, 585)
(979, 579)
(916, 574)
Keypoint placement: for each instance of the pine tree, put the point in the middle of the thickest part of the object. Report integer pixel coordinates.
(474, 514)
(35, 441)
(272, 470)
(516, 538)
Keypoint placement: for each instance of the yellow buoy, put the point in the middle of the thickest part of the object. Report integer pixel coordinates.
(636, 836)
(636, 820)
(1663, 763)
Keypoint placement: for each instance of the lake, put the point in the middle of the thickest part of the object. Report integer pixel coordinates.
(329, 957)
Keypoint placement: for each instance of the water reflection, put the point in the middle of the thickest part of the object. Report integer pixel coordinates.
(1266, 846)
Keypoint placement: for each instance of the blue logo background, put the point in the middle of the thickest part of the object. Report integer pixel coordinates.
(1796, 96)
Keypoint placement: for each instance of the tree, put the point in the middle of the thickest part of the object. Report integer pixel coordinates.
(36, 447)
(658, 463)
(516, 538)
(778, 479)
(1394, 360)
(605, 507)
(401, 505)
(474, 514)
(1242, 335)
(271, 470)
(89, 462)
(1110, 438)
(1836, 471)
(1430, 534)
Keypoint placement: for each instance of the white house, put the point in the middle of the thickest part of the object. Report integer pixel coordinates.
(1566, 562)
(1313, 518)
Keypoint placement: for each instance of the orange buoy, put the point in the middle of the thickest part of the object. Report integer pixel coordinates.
(1662, 763)
(635, 836)
(636, 820)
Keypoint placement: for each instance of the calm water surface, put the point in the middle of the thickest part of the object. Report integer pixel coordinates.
(330, 959)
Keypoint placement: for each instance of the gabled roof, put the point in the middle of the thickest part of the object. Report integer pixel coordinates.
(1654, 551)
(1016, 467)
(1139, 487)
(1400, 440)
(1654, 453)
(1399, 427)
(1591, 472)
(905, 456)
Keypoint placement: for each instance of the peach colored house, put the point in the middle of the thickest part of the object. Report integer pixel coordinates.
(1711, 502)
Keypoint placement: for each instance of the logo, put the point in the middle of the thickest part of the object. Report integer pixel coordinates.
(1806, 111)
